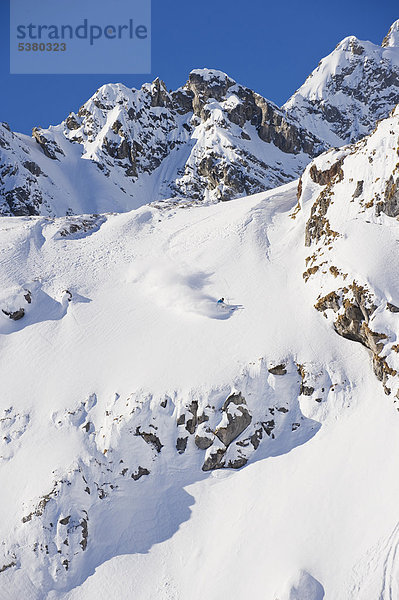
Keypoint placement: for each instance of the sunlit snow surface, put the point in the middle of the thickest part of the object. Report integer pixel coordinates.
(122, 333)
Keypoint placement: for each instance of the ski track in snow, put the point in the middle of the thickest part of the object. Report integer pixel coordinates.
(390, 588)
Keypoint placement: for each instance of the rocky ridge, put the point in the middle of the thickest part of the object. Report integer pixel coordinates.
(212, 139)
(362, 182)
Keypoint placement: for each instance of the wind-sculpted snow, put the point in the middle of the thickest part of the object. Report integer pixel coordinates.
(29, 305)
(305, 587)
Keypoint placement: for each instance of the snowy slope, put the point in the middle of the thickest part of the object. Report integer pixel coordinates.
(353, 87)
(152, 439)
(33, 183)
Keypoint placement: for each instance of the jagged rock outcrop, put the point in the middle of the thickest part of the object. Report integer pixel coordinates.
(390, 204)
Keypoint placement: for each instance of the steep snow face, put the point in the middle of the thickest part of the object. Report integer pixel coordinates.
(162, 431)
(210, 140)
(353, 87)
(52, 178)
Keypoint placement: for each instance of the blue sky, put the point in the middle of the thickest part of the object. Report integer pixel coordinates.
(268, 46)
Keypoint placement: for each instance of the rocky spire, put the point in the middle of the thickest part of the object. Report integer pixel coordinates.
(392, 37)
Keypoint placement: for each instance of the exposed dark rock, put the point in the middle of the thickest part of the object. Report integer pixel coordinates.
(237, 463)
(382, 370)
(202, 442)
(139, 473)
(256, 437)
(331, 301)
(8, 566)
(32, 167)
(278, 370)
(237, 399)
(49, 147)
(159, 94)
(204, 88)
(318, 225)
(202, 418)
(307, 390)
(356, 47)
(71, 122)
(299, 189)
(65, 520)
(392, 307)
(387, 41)
(40, 508)
(268, 426)
(214, 460)
(22, 201)
(191, 423)
(237, 424)
(390, 204)
(181, 444)
(359, 190)
(335, 173)
(351, 325)
(150, 438)
(16, 315)
(78, 224)
(85, 534)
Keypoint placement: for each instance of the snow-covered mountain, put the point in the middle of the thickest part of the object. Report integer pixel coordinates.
(350, 90)
(149, 434)
(210, 140)
(157, 443)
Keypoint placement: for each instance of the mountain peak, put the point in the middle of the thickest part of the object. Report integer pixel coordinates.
(351, 44)
(392, 37)
(209, 75)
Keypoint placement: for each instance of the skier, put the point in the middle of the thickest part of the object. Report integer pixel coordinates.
(221, 301)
